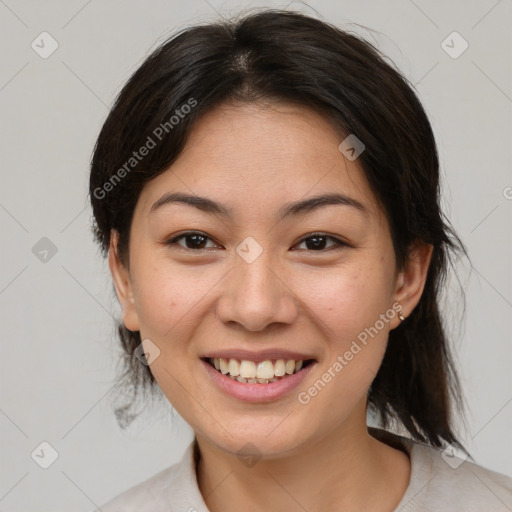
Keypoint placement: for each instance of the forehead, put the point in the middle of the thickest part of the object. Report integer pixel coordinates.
(260, 156)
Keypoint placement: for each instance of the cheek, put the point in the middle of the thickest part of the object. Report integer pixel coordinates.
(348, 306)
(167, 294)
(347, 300)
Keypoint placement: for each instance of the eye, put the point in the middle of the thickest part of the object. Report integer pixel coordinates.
(196, 240)
(193, 240)
(317, 242)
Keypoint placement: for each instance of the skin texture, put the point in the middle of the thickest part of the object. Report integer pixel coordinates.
(253, 159)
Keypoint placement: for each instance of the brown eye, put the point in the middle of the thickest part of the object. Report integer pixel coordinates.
(193, 240)
(318, 241)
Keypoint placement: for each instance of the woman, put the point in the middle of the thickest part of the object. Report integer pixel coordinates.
(267, 193)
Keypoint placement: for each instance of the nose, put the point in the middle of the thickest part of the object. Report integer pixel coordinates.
(255, 296)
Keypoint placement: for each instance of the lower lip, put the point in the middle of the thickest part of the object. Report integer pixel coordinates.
(257, 392)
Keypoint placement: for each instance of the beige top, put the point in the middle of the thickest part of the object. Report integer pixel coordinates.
(440, 482)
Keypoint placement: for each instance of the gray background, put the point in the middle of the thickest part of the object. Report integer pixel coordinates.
(58, 349)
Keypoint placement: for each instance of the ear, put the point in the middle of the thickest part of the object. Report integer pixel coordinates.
(411, 281)
(122, 284)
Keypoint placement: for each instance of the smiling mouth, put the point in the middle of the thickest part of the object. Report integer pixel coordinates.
(258, 372)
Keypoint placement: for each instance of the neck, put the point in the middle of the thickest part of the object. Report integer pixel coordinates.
(347, 470)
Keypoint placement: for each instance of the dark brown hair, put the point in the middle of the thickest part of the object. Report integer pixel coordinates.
(290, 57)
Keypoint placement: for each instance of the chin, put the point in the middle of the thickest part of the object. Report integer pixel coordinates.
(269, 439)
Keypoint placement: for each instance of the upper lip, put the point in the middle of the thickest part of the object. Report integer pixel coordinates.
(261, 355)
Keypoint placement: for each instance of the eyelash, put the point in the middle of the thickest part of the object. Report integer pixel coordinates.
(338, 243)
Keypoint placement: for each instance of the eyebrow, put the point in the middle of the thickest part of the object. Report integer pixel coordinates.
(287, 210)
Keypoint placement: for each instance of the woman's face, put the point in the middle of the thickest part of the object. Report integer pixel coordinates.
(262, 280)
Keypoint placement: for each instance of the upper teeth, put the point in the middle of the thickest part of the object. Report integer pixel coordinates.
(261, 370)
